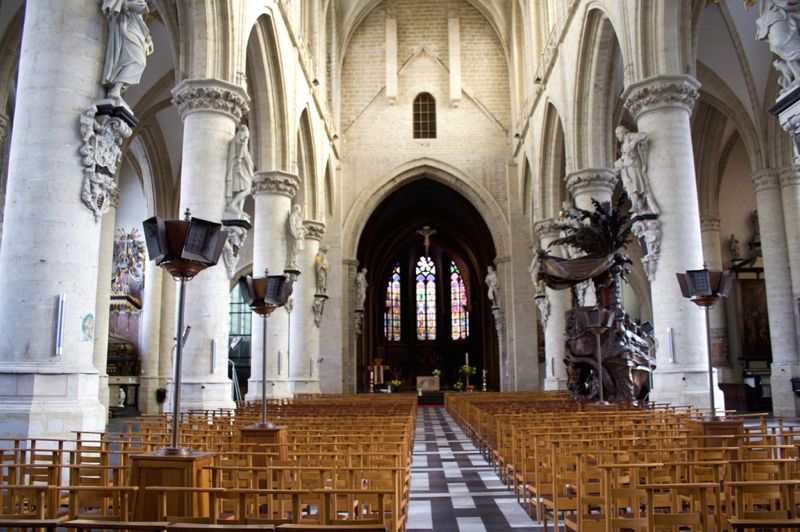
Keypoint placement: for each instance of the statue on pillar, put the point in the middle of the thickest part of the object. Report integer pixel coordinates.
(778, 24)
(321, 268)
(632, 168)
(295, 233)
(492, 286)
(239, 176)
(361, 288)
(129, 44)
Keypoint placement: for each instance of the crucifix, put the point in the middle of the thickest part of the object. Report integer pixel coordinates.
(426, 233)
(376, 371)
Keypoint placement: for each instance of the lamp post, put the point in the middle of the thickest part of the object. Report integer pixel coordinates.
(264, 295)
(704, 288)
(598, 321)
(183, 248)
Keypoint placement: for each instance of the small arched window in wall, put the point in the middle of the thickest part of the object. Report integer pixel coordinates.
(424, 116)
(391, 318)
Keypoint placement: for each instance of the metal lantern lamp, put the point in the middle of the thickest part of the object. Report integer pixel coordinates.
(704, 288)
(183, 248)
(264, 295)
(598, 322)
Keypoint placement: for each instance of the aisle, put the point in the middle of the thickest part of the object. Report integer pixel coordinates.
(453, 489)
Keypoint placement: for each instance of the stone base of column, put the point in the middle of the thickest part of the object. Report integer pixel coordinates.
(147, 395)
(305, 386)
(276, 389)
(785, 402)
(552, 383)
(686, 387)
(206, 395)
(49, 405)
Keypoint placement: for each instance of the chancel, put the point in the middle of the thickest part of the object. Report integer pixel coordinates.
(480, 206)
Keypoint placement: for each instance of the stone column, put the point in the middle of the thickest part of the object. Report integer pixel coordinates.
(558, 302)
(662, 106)
(305, 333)
(166, 337)
(102, 311)
(712, 253)
(150, 338)
(211, 110)
(4, 124)
(51, 240)
(273, 192)
(584, 186)
(790, 196)
(780, 305)
(355, 341)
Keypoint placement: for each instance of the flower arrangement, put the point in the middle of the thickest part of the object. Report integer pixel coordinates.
(458, 386)
(467, 371)
(436, 373)
(395, 384)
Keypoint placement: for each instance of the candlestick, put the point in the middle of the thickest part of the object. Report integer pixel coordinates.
(466, 359)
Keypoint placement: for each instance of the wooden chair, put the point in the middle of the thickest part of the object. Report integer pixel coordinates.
(26, 507)
(769, 504)
(112, 512)
(685, 506)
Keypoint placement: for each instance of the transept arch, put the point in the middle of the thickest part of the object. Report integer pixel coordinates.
(553, 167)
(307, 168)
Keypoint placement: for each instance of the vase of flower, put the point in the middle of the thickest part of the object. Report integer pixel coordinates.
(394, 385)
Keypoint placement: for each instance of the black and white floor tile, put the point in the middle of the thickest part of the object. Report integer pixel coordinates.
(453, 488)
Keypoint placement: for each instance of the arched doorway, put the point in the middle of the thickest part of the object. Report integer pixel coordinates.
(426, 249)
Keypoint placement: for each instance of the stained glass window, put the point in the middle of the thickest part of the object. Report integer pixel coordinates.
(458, 305)
(391, 318)
(426, 299)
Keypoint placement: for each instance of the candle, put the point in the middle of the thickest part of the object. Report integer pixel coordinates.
(466, 359)
(371, 376)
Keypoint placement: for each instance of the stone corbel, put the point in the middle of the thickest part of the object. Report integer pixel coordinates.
(237, 234)
(101, 151)
(543, 305)
(359, 321)
(318, 308)
(648, 231)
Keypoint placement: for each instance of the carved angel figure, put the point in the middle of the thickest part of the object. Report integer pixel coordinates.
(321, 268)
(778, 24)
(632, 168)
(295, 233)
(129, 44)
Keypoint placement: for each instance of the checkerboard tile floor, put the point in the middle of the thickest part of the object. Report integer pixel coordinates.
(453, 488)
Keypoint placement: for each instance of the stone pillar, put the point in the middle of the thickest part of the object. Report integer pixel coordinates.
(166, 337)
(712, 253)
(351, 380)
(662, 106)
(305, 333)
(790, 196)
(780, 305)
(150, 338)
(211, 110)
(102, 311)
(4, 123)
(273, 192)
(558, 302)
(51, 240)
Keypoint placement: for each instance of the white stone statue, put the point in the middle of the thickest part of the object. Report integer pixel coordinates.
(733, 247)
(321, 268)
(295, 233)
(492, 285)
(129, 44)
(632, 168)
(121, 395)
(778, 24)
(361, 288)
(239, 178)
(233, 244)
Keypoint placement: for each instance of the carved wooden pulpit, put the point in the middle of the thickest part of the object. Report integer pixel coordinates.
(376, 371)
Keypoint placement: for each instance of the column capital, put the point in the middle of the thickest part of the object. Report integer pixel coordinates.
(546, 229)
(766, 179)
(593, 181)
(275, 182)
(212, 95)
(709, 223)
(789, 176)
(314, 230)
(657, 92)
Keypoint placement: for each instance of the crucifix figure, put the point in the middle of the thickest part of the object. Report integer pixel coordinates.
(426, 233)
(376, 371)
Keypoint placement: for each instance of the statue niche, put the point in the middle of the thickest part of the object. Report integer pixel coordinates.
(627, 361)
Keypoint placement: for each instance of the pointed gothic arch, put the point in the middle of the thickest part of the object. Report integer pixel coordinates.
(553, 157)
